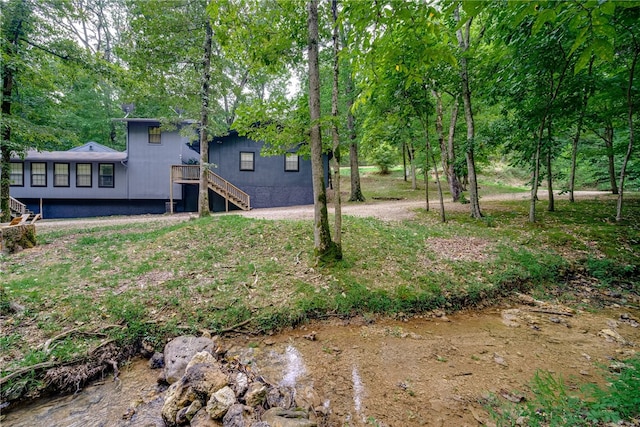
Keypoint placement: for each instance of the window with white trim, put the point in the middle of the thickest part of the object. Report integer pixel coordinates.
(106, 175)
(16, 174)
(61, 174)
(247, 161)
(291, 162)
(155, 135)
(83, 175)
(38, 174)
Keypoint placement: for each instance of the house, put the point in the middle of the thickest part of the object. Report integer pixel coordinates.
(157, 173)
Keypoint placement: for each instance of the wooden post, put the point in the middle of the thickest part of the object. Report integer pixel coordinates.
(41, 213)
(171, 190)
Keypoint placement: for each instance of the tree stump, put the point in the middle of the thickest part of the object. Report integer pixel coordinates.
(17, 237)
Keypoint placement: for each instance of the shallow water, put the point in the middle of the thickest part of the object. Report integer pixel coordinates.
(425, 371)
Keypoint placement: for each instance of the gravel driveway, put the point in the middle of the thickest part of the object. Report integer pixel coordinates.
(389, 210)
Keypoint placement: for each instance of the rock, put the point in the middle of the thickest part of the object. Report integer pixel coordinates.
(179, 395)
(238, 416)
(146, 349)
(179, 351)
(156, 361)
(307, 398)
(278, 417)
(256, 394)
(220, 402)
(612, 336)
(202, 419)
(281, 397)
(499, 360)
(185, 415)
(510, 317)
(205, 379)
(203, 357)
(239, 383)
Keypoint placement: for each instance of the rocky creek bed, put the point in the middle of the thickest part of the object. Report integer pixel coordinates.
(432, 370)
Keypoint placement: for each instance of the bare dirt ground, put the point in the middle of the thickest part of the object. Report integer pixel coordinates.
(388, 210)
(428, 370)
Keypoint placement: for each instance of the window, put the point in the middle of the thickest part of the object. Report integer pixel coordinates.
(246, 161)
(154, 135)
(105, 175)
(38, 174)
(16, 175)
(291, 162)
(61, 174)
(83, 175)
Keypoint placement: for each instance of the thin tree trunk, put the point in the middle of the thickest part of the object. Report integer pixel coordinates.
(337, 198)
(608, 142)
(426, 182)
(440, 133)
(435, 164)
(203, 195)
(454, 182)
(551, 207)
(356, 190)
(630, 112)
(323, 244)
(576, 137)
(536, 174)
(9, 51)
(404, 161)
(412, 164)
(463, 41)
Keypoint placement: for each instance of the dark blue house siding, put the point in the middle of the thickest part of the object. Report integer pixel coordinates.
(268, 184)
(73, 208)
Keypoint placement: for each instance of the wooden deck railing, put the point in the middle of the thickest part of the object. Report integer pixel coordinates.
(185, 173)
(190, 174)
(17, 207)
(229, 191)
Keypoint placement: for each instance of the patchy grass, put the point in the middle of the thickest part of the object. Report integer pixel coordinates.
(150, 281)
(554, 403)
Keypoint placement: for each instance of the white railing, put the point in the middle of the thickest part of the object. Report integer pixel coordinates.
(17, 206)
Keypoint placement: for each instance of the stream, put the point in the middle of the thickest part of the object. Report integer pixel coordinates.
(421, 371)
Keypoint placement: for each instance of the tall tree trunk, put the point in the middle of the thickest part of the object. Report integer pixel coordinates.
(203, 195)
(404, 161)
(576, 136)
(608, 142)
(354, 163)
(463, 41)
(323, 245)
(337, 198)
(412, 165)
(536, 174)
(630, 112)
(440, 133)
(429, 153)
(20, 12)
(551, 207)
(454, 182)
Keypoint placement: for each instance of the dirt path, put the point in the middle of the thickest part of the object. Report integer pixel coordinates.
(388, 210)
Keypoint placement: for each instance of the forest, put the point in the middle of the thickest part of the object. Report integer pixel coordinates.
(442, 99)
(548, 87)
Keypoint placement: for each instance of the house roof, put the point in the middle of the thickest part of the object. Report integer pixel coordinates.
(149, 120)
(77, 156)
(93, 146)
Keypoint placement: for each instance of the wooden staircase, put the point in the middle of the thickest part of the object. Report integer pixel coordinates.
(190, 174)
(18, 209)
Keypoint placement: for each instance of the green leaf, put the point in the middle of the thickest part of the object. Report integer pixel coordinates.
(583, 60)
(546, 15)
(473, 7)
